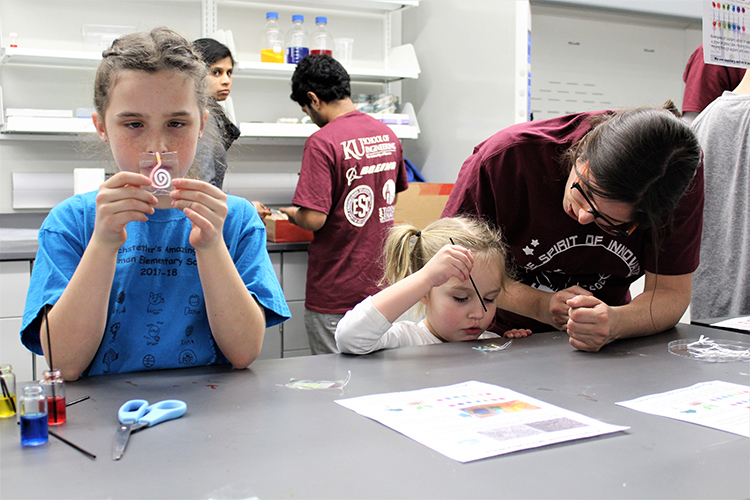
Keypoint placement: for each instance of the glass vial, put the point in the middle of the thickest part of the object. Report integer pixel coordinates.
(54, 390)
(8, 401)
(34, 429)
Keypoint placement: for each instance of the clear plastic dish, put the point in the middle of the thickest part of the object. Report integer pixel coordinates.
(714, 351)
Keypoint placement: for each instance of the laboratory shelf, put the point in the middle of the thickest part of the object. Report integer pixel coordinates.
(401, 63)
(373, 6)
(36, 128)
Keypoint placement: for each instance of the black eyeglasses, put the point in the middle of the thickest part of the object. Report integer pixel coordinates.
(620, 229)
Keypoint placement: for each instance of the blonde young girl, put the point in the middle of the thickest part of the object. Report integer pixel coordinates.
(432, 267)
(139, 280)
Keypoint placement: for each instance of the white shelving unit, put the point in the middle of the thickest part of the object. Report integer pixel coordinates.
(399, 63)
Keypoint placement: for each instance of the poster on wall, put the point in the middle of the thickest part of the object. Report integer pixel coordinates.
(726, 34)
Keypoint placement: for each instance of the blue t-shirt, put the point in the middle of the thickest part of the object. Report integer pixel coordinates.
(156, 316)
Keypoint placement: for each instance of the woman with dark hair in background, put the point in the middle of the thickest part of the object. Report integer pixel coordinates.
(221, 132)
(637, 175)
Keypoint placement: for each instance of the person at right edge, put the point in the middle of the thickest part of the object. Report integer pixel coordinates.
(636, 175)
(352, 169)
(720, 284)
(704, 83)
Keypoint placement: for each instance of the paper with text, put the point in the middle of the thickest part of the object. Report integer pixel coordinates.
(474, 420)
(719, 405)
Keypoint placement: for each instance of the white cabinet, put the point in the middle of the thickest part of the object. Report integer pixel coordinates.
(289, 338)
(14, 282)
(293, 279)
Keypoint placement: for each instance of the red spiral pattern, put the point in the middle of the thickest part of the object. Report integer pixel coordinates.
(160, 178)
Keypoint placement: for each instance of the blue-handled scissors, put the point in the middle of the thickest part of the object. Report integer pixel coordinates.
(137, 414)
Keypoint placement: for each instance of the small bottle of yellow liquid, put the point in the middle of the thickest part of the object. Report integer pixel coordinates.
(8, 403)
(272, 41)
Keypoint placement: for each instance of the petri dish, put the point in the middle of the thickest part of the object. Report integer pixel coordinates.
(714, 351)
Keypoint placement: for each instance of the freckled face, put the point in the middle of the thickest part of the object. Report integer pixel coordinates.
(150, 112)
(453, 311)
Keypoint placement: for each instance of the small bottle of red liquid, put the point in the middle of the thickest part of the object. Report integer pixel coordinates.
(54, 390)
(321, 41)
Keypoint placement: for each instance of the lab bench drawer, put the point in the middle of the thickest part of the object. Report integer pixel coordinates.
(295, 335)
(14, 282)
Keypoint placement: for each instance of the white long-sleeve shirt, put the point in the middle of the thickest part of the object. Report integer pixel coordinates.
(364, 330)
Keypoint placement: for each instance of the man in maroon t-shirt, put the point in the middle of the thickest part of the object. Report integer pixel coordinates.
(352, 169)
(704, 83)
(574, 275)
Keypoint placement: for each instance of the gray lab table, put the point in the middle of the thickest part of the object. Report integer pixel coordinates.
(245, 436)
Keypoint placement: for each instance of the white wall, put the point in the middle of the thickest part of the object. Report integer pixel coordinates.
(465, 93)
(592, 60)
(466, 49)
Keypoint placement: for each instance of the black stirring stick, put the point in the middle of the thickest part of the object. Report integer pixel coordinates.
(7, 394)
(470, 279)
(73, 445)
(71, 403)
(49, 352)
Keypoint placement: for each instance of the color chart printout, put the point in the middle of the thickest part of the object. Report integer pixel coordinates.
(719, 405)
(474, 420)
(726, 33)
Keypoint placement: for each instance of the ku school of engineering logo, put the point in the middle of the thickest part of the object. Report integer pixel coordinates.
(360, 202)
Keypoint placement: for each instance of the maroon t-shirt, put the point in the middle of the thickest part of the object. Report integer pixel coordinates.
(352, 169)
(705, 82)
(516, 180)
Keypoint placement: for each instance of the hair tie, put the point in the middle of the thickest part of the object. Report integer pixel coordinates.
(419, 233)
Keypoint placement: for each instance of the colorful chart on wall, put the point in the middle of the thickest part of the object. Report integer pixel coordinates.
(719, 405)
(726, 33)
(474, 420)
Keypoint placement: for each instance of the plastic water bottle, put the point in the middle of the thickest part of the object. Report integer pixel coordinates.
(321, 41)
(272, 41)
(297, 41)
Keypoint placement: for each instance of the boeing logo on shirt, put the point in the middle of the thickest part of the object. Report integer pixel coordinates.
(368, 147)
(351, 174)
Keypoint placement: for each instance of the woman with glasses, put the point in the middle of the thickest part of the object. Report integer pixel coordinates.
(588, 203)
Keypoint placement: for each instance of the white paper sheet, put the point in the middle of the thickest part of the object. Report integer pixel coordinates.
(719, 405)
(474, 420)
(725, 41)
(741, 323)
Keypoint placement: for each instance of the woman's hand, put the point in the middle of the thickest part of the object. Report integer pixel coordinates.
(206, 207)
(517, 333)
(451, 261)
(589, 324)
(120, 201)
(558, 307)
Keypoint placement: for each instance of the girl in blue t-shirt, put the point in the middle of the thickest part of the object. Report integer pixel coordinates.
(139, 278)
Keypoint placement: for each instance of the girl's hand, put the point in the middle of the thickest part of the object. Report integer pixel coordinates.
(558, 308)
(451, 261)
(517, 333)
(206, 207)
(121, 200)
(589, 324)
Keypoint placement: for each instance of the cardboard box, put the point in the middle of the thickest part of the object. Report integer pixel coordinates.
(422, 203)
(280, 230)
